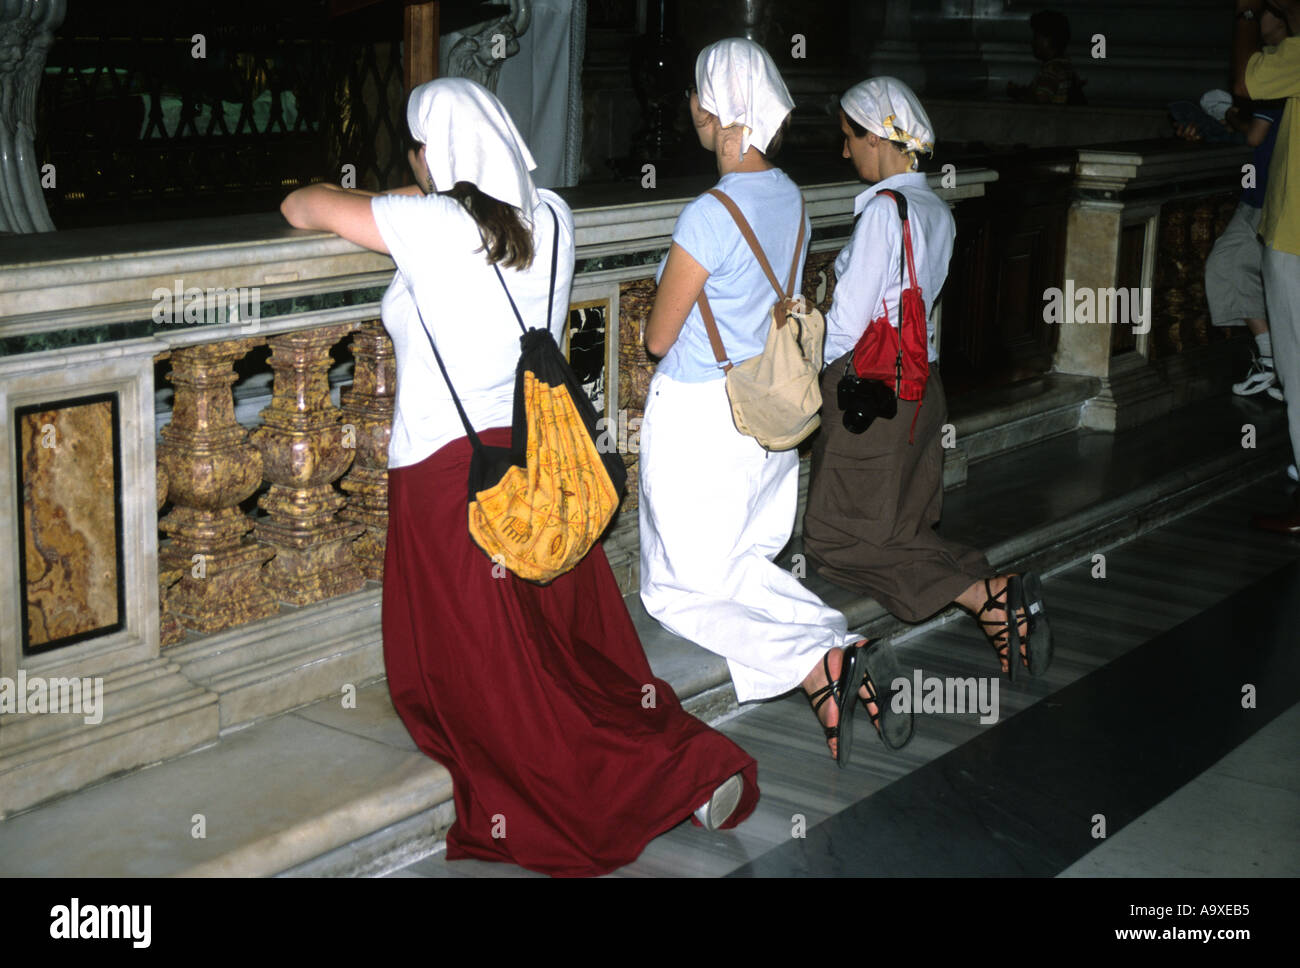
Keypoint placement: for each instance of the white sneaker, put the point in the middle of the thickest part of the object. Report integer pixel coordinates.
(1276, 394)
(1293, 473)
(1258, 379)
(722, 804)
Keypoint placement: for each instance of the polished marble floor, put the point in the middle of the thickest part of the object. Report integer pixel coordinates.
(1162, 742)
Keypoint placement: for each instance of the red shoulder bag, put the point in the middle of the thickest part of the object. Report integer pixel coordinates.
(898, 357)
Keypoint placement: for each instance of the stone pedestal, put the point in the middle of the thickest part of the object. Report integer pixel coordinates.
(1132, 227)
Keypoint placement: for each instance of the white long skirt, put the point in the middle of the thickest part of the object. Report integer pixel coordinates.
(715, 509)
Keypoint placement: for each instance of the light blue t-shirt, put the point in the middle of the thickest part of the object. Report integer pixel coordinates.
(738, 290)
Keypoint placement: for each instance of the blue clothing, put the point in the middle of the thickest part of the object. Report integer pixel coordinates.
(737, 288)
(1254, 197)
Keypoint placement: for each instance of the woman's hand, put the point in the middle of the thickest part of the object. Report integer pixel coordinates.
(681, 284)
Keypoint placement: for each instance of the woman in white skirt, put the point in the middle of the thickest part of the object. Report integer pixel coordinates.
(716, 508)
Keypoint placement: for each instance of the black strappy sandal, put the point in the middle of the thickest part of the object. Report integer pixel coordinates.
(1008, 628)
(1023, 594)
(880, 665)
(1039, 646)
(843, 691)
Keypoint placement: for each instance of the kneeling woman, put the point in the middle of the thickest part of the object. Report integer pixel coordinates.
(716, 507)
(874, 497)
(534, 698)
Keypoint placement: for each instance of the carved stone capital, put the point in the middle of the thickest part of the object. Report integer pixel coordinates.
(26, 34)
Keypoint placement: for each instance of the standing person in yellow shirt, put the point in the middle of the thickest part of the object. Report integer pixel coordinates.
(1274, 72)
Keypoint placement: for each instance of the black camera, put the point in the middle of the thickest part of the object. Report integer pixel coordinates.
(864, 400)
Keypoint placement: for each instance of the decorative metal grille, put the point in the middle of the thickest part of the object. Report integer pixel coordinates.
(210, 107)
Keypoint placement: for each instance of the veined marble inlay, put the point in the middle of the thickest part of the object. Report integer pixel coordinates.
(70, 550)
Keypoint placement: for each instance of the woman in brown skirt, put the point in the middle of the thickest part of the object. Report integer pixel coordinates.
(567, 755)
(875, 496)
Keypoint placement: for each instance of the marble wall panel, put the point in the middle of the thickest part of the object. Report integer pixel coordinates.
(70, 551)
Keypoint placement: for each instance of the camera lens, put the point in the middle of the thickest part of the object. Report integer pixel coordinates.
(856, 421)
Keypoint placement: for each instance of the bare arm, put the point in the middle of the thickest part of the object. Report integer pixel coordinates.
(341, 211)
(681, 284)
(1256, 131)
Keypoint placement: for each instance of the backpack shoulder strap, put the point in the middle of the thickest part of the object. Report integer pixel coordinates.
(550, 302)
(798, 249)
(748, 234)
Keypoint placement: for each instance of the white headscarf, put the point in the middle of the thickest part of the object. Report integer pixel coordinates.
(889, 109)
(739, 82)
(469, 136)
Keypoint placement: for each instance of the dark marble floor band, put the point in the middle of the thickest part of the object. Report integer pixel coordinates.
(1026, 797)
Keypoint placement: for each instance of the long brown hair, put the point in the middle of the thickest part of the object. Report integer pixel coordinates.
(506, 239)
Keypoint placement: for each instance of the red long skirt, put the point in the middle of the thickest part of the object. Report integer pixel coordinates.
(567, 755)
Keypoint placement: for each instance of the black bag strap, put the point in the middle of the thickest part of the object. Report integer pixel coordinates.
(474, 441)
(555, 247)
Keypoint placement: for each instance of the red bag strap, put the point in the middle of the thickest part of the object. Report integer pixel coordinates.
(900, 200)
(706, 313)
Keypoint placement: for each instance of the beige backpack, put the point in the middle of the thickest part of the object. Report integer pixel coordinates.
(775, 396)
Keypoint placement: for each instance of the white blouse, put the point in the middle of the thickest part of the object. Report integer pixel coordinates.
(432, 239)
(867, 269)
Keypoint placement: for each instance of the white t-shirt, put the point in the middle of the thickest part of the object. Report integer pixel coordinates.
(867, 269)
(432, 239)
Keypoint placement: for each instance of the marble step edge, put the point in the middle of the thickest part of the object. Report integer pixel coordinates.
(1061, 542)
(413, 788)
(125, 692)
(288, 660)
(1164, 500)
(988, 409)
(424, 832)
(158, 717)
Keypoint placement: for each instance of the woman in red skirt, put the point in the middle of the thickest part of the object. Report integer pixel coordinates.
(567, 754)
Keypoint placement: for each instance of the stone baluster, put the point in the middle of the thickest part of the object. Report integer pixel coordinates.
(170, 629)
(368, 411)
(1200, 242)
(301, 441)
(1171, 273)
(210, 468)
(635, 367)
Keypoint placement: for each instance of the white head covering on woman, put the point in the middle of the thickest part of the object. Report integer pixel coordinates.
(469, 136)
(738, 82)
(889, 109)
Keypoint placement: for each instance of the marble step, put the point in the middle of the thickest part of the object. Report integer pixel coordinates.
(330, 790)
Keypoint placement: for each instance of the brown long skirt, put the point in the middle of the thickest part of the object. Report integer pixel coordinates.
(566, 753)
(874, 500)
